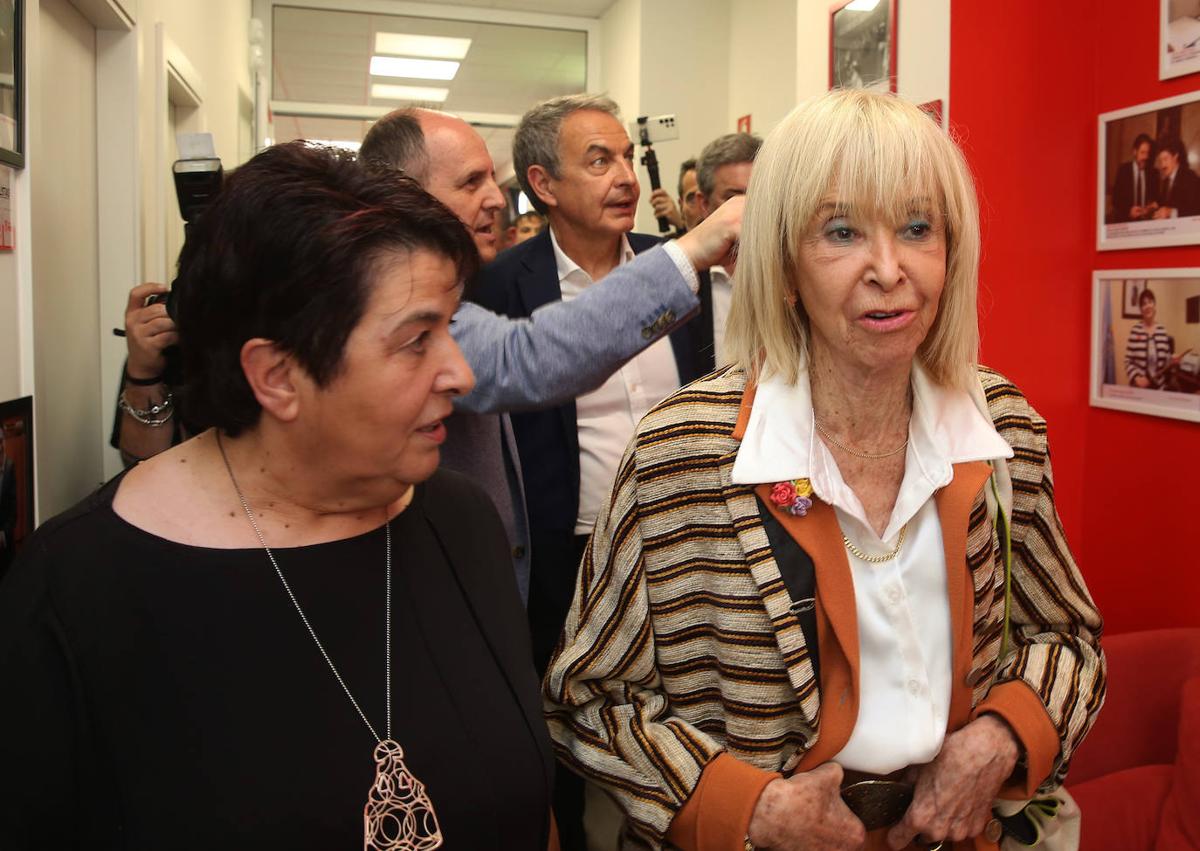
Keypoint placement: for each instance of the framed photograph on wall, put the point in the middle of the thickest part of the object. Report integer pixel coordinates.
(1131, 291)
(12, 84)
(862, 45)
(1147, 188)
(16, 478)
(1178, 38)
(1147, 363)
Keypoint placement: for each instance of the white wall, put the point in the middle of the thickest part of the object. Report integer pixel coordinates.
(684, 61)
(66, 316)
(762, 62)
(213, 36)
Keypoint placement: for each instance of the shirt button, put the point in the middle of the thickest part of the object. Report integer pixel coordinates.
(893, 594)
(518, 551)
(914, 688)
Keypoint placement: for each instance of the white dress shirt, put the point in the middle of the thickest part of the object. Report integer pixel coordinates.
(607, 416)
(902, 605)
(722, 297)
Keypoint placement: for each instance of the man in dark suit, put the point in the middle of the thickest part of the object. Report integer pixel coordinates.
(722, 172)
(1136, 185)
(1178, 186)
(575, 162)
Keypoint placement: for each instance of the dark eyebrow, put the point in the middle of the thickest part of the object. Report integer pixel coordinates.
(598, 148)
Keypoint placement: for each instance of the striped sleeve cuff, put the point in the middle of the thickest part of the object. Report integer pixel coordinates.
(1019, 705)
(717, 815)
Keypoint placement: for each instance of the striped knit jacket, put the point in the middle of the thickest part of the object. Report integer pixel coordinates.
(681, 649)
(1147, 354)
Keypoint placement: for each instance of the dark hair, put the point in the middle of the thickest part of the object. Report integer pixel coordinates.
(730, 149)
(1146, 295)
(1142, 139)
(288, 252)
(1174, 145)
(397, 141)
(684, 167)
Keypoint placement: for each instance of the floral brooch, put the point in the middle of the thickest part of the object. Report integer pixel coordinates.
(793, 496)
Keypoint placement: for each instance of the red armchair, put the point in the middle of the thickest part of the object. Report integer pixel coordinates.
(1136, 777)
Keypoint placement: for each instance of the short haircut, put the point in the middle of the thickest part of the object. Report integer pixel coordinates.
(536, 139)
(1146, 295)
(397, 141)
(1174, 145)
(289, 251)
(729, 149)
(687, 165)
(880, 152)
(1142, 139)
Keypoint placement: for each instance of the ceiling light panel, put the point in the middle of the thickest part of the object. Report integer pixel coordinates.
(427, 46)
(385, 91)
(419, 69)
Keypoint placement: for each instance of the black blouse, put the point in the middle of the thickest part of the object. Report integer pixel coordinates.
(156, 695)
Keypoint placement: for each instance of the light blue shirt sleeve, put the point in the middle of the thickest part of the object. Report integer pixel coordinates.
(568, 348)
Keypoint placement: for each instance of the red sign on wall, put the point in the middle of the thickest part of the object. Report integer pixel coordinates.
(743, 124)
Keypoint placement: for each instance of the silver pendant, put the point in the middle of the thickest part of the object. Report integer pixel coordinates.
(399, 815)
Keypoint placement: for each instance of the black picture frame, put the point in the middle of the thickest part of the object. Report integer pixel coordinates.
(1131, 291)
(17, 508)
(12, 83)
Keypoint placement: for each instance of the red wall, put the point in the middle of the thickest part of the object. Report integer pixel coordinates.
(1027, 81)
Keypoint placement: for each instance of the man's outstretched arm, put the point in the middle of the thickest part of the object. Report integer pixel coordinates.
(568, 348)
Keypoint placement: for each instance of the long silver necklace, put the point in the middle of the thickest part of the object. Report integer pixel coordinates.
(399, 815)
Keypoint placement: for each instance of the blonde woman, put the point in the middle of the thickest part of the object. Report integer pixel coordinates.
(798, 589)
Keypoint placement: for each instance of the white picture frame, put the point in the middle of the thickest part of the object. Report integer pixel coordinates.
(1177, 300)
(1178, 38)
(1169, 123)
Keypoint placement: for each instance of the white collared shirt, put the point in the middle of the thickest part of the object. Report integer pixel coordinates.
(607, 416)
(902, 606)
(722, 298)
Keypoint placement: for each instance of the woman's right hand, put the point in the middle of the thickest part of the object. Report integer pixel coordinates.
(806, 812)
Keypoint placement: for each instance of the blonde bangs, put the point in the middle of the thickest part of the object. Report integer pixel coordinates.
(882, 157)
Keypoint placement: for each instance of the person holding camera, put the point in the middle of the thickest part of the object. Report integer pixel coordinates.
(146, 423)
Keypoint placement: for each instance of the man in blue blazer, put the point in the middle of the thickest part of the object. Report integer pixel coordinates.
(560, 350)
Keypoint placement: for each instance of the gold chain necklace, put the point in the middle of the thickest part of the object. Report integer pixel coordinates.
(861, 556)
(868, 455)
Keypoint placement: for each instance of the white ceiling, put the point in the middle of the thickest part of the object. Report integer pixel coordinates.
(323, 56)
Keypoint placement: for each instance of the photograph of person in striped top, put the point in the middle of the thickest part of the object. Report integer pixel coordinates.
(1148, 351)
(833, 570)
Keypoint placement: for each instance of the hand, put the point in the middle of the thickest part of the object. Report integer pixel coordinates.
(1162, 213)
(664, 208)
(148, 330)
(806, 812)
(714, 241)
(954, 793)
(1141, 381)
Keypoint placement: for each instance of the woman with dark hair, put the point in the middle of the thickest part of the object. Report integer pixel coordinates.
(1148, 350)
(209, 651)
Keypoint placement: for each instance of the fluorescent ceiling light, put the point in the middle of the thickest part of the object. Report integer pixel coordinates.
(862, 5)
(385, 91)
(421, 69)
(429, 46)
